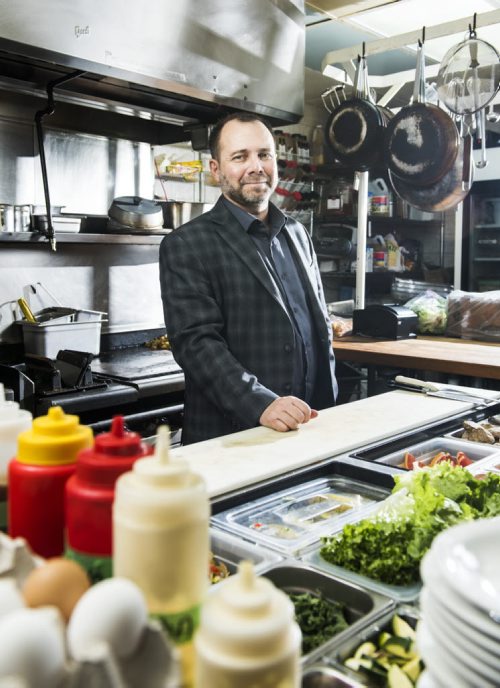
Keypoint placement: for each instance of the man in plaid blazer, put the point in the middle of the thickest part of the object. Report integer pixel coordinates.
(243, 300)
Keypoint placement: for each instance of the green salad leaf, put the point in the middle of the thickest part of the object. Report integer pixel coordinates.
(390, 545)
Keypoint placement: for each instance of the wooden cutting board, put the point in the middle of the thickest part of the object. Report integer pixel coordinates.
(234, 461)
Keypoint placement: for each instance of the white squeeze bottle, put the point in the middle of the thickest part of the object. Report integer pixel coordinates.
(161, 541)
(13, 421)
(247, 636)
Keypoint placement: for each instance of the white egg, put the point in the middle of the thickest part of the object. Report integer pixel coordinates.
(113, 611)
(32, 646)
(10, 596)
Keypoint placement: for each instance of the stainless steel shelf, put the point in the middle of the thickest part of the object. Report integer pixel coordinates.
(33, 238)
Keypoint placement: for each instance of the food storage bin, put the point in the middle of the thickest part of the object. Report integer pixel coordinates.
(64, 328)
(425, 451)
(338, 651)
(359, 604)
(400, 593)
(230, 551)
(289, 520)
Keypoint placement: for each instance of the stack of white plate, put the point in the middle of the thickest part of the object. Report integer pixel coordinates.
(459, 635)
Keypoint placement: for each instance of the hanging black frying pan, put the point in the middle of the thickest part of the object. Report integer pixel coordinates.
(446, 193)
(422, 140)
(355, 129)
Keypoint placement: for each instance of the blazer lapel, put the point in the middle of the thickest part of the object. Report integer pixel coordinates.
(229, 229)
(307, 271)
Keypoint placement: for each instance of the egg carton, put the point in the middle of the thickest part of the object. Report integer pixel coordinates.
(154, 663)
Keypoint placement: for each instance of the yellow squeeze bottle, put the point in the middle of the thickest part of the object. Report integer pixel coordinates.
(161, 541)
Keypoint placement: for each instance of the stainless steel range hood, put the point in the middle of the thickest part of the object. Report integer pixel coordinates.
(170, 64)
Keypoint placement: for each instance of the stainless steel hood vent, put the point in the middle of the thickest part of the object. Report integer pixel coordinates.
(169, 63)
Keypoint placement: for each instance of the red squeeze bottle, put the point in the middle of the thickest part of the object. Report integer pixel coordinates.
(90, 493)
(46, 456)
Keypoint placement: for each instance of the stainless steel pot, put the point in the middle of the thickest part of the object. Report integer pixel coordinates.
(177, 213)
(136, 212)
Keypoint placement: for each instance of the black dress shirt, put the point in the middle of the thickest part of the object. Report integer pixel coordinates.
(272, 244)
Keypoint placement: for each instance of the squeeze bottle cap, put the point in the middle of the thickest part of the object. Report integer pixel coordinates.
(247, 616)
(113, 453)
(160, 470)
(13, 421)
(118, 441)
(54, 439)
(8, 409)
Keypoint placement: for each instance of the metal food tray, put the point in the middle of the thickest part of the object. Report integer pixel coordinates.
(231, 550)
(361, 605)
(400, 593)
(323, 676)
(457, 435)
(292, 519)
(337, 651)
(424, 451)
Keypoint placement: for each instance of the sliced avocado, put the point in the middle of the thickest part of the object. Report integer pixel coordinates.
(396, 678)
(397, 648)
(383, 638)
(352, 663)
(367, 649)
(401, 628)
(413, 668)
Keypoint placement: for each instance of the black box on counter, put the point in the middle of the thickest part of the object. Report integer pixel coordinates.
(385, 321)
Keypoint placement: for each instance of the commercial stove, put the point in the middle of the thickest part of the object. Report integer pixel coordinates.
(143, 385)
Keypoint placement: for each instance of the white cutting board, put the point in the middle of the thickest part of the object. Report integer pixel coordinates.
(234, 461)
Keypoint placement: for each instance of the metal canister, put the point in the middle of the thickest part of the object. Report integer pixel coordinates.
(7, 218)
(22, 218)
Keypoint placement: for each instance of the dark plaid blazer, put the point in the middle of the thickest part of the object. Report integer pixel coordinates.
(228, 326)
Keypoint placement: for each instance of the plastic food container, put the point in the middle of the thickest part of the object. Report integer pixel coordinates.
(64, 329)
(489, 465)
(336, 652)
(400, 593)
(360, 605)
(231, 550)
(425, 451)
(292, 519)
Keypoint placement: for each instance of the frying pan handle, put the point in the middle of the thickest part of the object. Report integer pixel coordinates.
(419, 86)
(467, 164)
(357, 79)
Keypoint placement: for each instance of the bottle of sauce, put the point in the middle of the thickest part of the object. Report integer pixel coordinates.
(161, 541)
(247, 636)
(90, 492)
(46, 458)
(13, 421)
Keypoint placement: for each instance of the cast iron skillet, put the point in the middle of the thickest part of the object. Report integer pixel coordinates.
(355, 129)
(446, 193)
(422, 140)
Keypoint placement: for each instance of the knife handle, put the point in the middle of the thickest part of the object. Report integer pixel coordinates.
(27, 312)
(414, 382)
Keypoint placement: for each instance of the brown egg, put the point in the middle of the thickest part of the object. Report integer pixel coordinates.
(58, 582)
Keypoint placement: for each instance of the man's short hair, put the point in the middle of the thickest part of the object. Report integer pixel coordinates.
(214, 139)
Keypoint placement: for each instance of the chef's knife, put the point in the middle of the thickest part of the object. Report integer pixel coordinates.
(445, 392)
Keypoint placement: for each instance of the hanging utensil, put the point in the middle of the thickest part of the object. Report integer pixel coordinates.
(355, 128)
(481, 137)
(422, 141)
(475, 65)
(450, 190)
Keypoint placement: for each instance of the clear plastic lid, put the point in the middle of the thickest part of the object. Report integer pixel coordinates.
(294, 518)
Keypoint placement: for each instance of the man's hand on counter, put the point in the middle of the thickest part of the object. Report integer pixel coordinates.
(287, 413)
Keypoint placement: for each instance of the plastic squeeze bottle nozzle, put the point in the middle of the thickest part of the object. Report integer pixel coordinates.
(46, 457)
(247, 636)
(13, 421)
(89, 496)
(161, 541)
